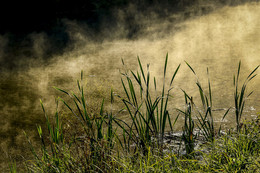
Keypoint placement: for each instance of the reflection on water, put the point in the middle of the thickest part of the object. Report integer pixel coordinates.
(218, 41)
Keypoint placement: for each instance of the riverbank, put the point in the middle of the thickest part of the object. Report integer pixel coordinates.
(109, 143)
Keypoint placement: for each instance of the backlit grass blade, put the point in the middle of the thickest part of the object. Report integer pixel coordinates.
(190, 67)
(141, 68)
(238, 70)
(210, 94)
(61, 90)
(252, 77)
(202, 95)
(132, 91)
(154, 83)
(253, 72)
(78, 85)
(165, 65)
(176, 71)
(175, 120)
(76, 97)
(133, 117)
(126, 92)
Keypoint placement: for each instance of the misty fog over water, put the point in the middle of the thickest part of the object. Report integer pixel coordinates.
(216, 39)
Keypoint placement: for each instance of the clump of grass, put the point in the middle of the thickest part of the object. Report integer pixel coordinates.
(205, 119)
(240, 96)
(99, 133)
(52, 157)
(204, 116)
(229, 153)
(92, 151)
(154, 162)
(97, 150)
(188, 128)
(149, 116)
(237, 152)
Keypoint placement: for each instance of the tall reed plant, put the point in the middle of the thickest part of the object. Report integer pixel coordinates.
(99, 133)
(188, 135)
(205, 115)
(240, 95)
(53, 151)
(149, 115)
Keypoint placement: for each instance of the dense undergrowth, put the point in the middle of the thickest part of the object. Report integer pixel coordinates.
(110, 144)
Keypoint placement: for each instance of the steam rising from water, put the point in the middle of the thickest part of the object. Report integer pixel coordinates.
(217, 40)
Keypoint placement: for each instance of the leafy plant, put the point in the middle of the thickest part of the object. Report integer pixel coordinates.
(240, 96)
(92, 151)
(53, 150)
(95, 150)
(205, 119)
(237, 152)
(99, 133)
(188, 128)
(149, 116)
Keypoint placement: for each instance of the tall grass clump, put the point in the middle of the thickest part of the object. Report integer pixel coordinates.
(204, 116)
(188, 128)
(53, 156)
(89, 152)
(105, 143)
(149, 114)
(237, 153)
(240, 95)
(97, 142)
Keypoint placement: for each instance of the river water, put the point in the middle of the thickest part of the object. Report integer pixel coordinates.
(217, 40)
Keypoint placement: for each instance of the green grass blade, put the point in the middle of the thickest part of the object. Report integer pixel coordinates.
(238, 70)
(252, 72)
(190, 67)
(169, 121)
(78, 85)
(210, 93)
(141, 68)
(74, 95)
(154, 81)
(165, 65)
(175, 120)
(226, 114)
(252, 77)
(126, 92)
(176, 71)
(61, 90)
(202, 96)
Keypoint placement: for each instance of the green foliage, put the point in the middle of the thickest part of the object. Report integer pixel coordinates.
(231, 153)
(53, 151)
(98, 148)
(154, 162)
(149, 115)
(241, 96)
(188, 128)
(12, 167)
(99, 140)
(205, 119)
(82, 153)
(237, 152)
